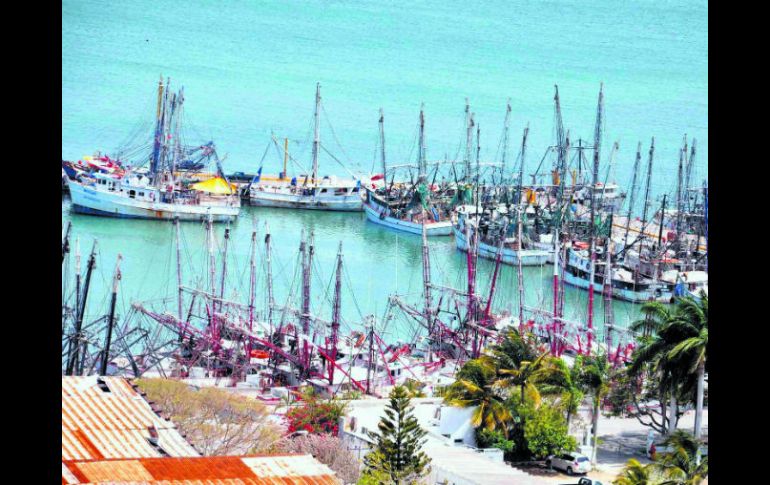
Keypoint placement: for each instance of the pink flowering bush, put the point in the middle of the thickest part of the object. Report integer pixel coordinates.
(316, 416)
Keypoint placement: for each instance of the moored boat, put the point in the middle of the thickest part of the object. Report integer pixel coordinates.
(327, 193)
(110, 190)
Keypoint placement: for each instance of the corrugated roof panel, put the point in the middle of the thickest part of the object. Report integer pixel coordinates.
(219, 470)
(113, 423)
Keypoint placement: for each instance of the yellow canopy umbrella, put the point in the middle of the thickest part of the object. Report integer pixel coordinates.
(216, 185)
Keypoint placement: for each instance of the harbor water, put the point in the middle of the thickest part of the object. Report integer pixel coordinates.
(249, 69)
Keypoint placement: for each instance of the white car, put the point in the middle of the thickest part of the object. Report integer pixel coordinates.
(569, 462)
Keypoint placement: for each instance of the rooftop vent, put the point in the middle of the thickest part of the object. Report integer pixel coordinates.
(102, 385)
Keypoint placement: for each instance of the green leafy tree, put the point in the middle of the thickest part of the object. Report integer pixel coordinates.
(396, 451)
(546, 433)
(475, 386)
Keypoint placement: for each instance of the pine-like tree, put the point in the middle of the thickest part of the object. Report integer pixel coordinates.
(396, 452)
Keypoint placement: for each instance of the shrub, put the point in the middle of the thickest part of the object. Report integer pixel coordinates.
(215, 421)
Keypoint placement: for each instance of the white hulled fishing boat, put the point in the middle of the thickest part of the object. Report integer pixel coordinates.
(495, 230)
(160, 194)
(408, 209)
(328, 193)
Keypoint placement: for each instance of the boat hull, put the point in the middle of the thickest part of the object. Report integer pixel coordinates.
(86, 200)
(443, 228)
(639, 296)
(529, 257)
(347, 203)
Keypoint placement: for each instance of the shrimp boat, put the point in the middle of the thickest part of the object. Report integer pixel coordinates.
(408, 209)
(328, 193)
(493, 230)
(627, 285)
(159, 194)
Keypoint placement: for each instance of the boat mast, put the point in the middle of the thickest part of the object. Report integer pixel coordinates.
(505, 137)
(76, 341)
(212, 259)
(688, 172)
(382, 146)
(65, 243)
(679, 182)
(519, 186)
(269, 268)
(285, 157)
(307, 256)
(252, 285)
(316, 132)
(561, 147)
(111, 319)
(468, 139)
(335, 317)
(609, 316)
(421, 165)
(158, 133)
(520, 206)
(478, 153)
(77, 275)
(178, 270)
(426, 289)
(597, 151)
(555, 344)
(647, 188)
(660, 227)
(224, 266)
(632, 198)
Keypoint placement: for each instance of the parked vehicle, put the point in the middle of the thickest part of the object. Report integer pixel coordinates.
(571, 463)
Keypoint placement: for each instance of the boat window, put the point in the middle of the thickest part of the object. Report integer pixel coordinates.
(355, 189)
(132, 194)
(340, 191)
(323, 191)
(141, 194)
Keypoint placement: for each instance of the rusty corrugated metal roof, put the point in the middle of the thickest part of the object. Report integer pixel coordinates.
(210, 470)
(112, 420)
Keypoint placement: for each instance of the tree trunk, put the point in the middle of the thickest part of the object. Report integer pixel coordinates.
(699, 400)
(672, 414)
(594, 428)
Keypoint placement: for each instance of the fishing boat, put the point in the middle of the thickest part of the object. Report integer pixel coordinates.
(160, 194)
(308, 191)
(495, 232)
(627, 285)
(409, 208)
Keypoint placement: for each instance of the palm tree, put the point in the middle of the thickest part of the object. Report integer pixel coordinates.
(634, 473)
(682, 465)
(475, 386)
(691, 321)
(564, 380)
(660, 336)
(519, 365)
(596, 377)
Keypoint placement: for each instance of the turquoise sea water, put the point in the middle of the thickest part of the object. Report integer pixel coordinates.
(250, 68)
